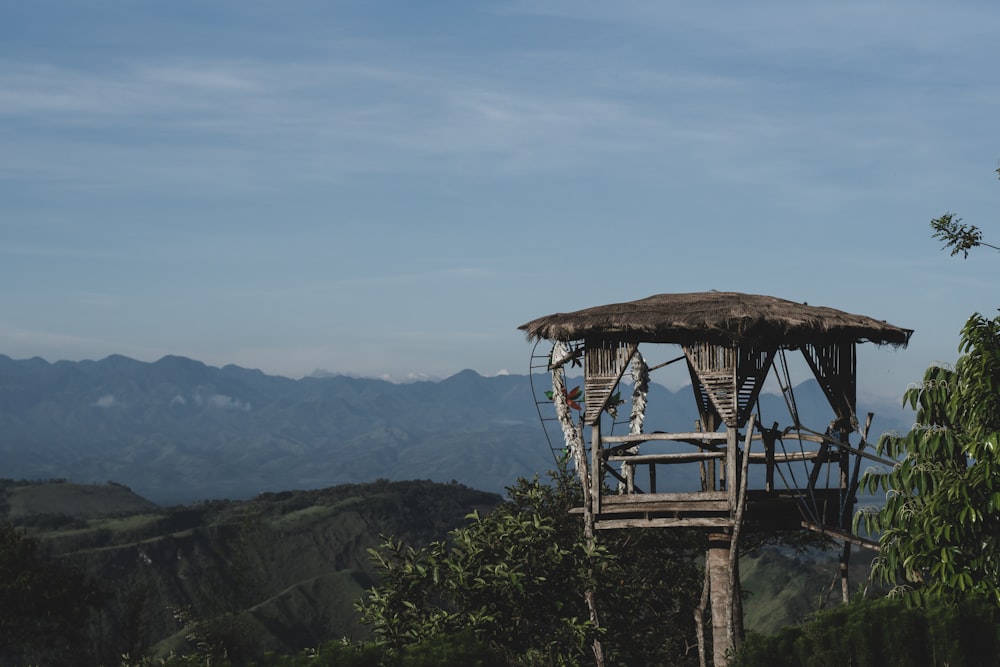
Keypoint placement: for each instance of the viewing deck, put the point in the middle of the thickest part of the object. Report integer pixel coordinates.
(774, 510)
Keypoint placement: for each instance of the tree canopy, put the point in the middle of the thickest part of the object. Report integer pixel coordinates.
(517, 576)
(940, 526)
(44, 604)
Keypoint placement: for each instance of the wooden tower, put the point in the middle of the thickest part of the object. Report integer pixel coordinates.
(730, 342)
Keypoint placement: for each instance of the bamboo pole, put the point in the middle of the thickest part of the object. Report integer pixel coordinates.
(736, 613)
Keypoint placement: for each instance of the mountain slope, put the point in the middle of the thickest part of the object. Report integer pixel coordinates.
(279, 572)
(178, 430)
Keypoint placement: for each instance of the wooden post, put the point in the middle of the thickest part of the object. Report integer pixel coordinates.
(596, 466)
(594, 488)
(721, 594)
(770, 436)
(736, 613)
(702, 465)
(732, 483)
(699, 616)
(845, 557)
(845, 583)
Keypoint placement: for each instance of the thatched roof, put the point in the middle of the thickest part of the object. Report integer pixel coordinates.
(718, 317)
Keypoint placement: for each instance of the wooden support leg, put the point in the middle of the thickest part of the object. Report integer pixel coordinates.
(722, 595)
(845, 583)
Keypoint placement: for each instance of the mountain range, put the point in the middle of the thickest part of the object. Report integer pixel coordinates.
(177, 430)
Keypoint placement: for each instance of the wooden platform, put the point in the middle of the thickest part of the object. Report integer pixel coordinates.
(774, 510)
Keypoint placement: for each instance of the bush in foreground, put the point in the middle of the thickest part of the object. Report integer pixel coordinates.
(884, 633)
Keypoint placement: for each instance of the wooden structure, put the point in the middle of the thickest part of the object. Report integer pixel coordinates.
(730, 342)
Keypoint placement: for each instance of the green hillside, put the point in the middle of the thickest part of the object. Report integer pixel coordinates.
(279, 572)
(27, 501)
(783, 587)
(283, 571)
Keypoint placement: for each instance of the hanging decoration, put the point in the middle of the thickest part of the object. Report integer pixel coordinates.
(640, 391)
(572, 434)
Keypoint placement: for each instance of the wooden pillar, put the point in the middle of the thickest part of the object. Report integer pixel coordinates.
(732, 465)
(770, 436)
(845, 581)
(593, 489)
(722, 594)
(596, 466)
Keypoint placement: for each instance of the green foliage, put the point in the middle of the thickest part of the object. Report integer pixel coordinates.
(883, 633)
(517, 576)
(462, 649)
(940, 526)
(500, 575)
(781, 587)
(43, 604)
(958, 237)
(276, 573)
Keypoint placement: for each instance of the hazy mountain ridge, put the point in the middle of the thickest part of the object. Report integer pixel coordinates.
(177, 430)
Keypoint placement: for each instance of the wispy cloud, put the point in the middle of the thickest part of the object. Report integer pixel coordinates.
(221, 402)
(106, 401)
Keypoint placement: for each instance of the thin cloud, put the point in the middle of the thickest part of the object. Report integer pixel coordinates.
(106, 401)
(221, 402)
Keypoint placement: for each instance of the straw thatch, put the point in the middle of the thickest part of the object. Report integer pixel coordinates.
(717, 317)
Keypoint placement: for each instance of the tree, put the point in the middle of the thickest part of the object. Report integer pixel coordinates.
(44, 604)
(516, 579)
(883, 633)
(940, 526)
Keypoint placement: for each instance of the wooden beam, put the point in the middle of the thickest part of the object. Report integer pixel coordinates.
(755, 457)
(714, 436)
(841, 535)
(606, 524)
(848, 448)
(688, 457)
(784, 457)
(673, 506)
(664, 497)
(667, 363)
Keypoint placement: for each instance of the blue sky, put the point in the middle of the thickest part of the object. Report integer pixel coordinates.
(391, 188)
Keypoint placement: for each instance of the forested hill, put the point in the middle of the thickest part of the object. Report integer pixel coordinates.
(281, 571)
(178, 431)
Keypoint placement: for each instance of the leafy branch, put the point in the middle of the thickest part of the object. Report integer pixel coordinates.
(960, 238)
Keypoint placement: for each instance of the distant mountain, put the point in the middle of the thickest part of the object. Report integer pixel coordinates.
(177, 430)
